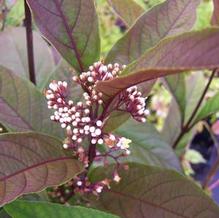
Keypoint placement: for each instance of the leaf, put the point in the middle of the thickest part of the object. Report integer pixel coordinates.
(189, 51)
(25, 209)
(147, 146)
(186, 92)
(3, 214)
(13, 54)
(128, 10)
(176, 84)
(177, 17)
(116, 119)
(210, 107)
(31, 162)
(194, 157)
(167, 19)
(195, 87)
(173, 124)
(72, 27)
(204, 14)
(23, 107)
(215, 17)
(15, 15)
(150, 192)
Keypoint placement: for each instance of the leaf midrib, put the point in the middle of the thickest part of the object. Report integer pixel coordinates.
(35, 166)
(71, 38)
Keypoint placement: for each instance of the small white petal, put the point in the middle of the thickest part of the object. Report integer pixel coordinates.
(98, 132)
(99, 123)
(92, 129)
(65, 146)
(100, 141)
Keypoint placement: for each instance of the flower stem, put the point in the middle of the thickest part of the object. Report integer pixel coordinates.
(187, 126)
(91, 153)
(29, 38)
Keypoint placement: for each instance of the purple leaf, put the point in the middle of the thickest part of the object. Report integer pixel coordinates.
(23, 107)
(150, 192)
(30, 162)
(71, 26)
(167, 19)
(128, 10)
(13, 54)
(189, 51)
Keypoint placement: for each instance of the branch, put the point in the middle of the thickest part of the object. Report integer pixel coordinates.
(29, 38)
(187, 127)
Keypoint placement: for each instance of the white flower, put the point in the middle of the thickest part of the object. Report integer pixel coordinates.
(124, 143)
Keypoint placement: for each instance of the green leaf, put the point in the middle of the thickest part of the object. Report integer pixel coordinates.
(128, 10)
(3, 214)
(31, 162)
(194, 157)
(25, 209)
(72, 27)
(186, 92)
(204, 14)
(147, 146)
(13, 52)
(195, 85)
(155, 193)
(173, 124)
(176, 84)
(210, 107)
(23, 107)
(167, 19)
(15, 16)
(190, 51)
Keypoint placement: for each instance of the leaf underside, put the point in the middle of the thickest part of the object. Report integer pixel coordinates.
(30, 162)
(190, 51)
(23, 107)
(63, 22)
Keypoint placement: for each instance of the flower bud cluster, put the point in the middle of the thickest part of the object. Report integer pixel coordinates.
(84, 122)
(97, 72)
(75, 118)
(135, 104)
(79, 185)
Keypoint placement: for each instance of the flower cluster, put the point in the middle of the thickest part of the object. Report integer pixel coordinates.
(84, 122)
(135, 103)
